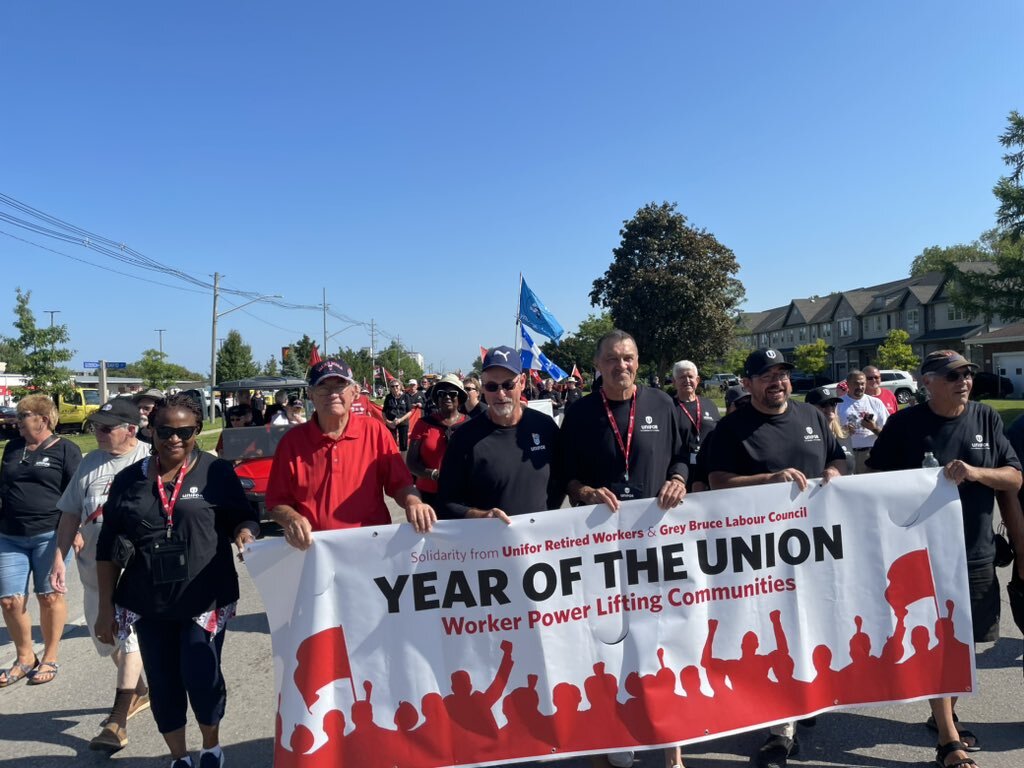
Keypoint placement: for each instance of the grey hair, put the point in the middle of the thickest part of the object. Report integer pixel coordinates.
(684, 365)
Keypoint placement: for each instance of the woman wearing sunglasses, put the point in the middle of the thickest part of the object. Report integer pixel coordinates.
(430, 436)
(36, 468)
(180, 509)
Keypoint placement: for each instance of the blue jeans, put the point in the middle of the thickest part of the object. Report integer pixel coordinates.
(24, 555)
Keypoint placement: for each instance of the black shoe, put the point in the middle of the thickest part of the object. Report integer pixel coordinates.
(774, 752)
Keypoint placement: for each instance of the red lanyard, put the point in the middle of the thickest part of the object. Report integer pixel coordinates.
(696, 423)
(624, 447)
(169, 505)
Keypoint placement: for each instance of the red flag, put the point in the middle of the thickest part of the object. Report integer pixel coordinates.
(322, 658)
(536, 377)
(382, 373)
(910, 579)
(483, 353)
(576, 373)
(314, 356)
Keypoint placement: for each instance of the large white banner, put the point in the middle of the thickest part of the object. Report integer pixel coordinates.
(578, 630)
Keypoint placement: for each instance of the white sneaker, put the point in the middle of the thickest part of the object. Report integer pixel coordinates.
(621, 759)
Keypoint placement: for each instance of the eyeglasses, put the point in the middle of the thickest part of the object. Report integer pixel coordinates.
(182, 433)
(448, 394)
(471, 389)
(954, 376)
(492, 386)
(106, 429)
(326, 390)
(768, 378)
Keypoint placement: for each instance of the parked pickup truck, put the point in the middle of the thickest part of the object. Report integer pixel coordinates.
(74, 408)
(721, 381)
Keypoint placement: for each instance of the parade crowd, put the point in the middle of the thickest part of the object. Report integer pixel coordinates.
(152, 520)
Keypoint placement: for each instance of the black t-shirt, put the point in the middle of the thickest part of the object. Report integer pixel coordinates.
(476, 410)
(571, 396)
(591, 453)
(749, 442)
(699, 419)
(396, 407)
(211, 506)
(975, 437)
(511, 468)
(31, 484)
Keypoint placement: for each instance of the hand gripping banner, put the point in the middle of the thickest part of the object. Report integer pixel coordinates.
(577, 630)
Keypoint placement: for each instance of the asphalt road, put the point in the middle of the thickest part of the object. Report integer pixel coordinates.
(50, 725)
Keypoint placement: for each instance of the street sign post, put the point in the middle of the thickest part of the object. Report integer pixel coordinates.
(91, 364)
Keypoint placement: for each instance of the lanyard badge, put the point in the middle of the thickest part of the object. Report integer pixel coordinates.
(628, 444)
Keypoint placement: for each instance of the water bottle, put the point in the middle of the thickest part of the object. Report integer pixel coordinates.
(930, 462)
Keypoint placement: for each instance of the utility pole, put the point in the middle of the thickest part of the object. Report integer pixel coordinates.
(213, 346)
(161, 332)
(373, 341)
(51, 313)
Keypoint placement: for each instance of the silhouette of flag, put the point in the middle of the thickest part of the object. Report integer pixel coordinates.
(910, 579)
(533, 314)
(314, 356)
(322, 659)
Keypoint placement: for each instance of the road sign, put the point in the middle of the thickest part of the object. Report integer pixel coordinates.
(88, 365)
(116, 365)
(95, 364)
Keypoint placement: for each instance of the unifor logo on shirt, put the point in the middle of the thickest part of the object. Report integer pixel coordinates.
(980, 443)
(193, 493)
(811, 436)
(537, 446)
(649, 425)
(43, 462)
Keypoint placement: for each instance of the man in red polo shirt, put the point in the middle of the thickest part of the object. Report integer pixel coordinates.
(333, 471)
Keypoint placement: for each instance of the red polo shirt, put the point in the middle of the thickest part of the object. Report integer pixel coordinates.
(337, 483)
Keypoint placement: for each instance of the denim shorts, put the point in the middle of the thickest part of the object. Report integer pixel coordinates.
(22, 555)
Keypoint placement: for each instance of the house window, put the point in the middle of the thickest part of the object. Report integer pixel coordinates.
(953, 313)
(913, 320)
(846, 327)
(803, 333)
(826, 330)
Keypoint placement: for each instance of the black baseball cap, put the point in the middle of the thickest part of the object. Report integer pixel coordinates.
(736, 393)
(822, 396)
(944, 361)
(760, 360)
(120, 410)
(334, 368)
(502, 357)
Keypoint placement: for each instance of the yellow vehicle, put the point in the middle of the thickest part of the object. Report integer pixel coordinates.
(74, 408)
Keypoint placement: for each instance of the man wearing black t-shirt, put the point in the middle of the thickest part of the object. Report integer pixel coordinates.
(502, 462)
(572, 393)
(967, 439)
(773, 440)
(700, 415)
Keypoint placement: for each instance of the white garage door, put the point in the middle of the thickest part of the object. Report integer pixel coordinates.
(1011, 365)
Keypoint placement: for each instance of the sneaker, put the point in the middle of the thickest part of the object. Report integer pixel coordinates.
(209, 760)
(620, 759)
(774, 752)
(111, 739)
(182, 762)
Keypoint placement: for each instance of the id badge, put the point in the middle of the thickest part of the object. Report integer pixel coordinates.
(627, 491)
(693, 458)
(170, 562)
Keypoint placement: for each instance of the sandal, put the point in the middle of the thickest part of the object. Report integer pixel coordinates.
(9, 678)
(49, 674)
(945, 750)
(967, 737)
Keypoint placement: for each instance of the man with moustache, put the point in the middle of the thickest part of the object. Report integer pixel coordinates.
(873, 380)
(862, 415)
(967, 439)
(773, 440)
(502, 462)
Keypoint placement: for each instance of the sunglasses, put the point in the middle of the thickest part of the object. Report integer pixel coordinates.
(182, 433)
(106, 429)
(955, 376)
(471, 389)
(448, 394)
(492, 386)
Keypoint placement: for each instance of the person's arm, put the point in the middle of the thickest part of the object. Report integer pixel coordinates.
(1013, 517)
(418, 512)
(298, 531)
(67, 532)
(997, 478)
(720, 479)
(415, 465)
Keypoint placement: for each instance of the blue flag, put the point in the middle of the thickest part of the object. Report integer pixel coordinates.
(531, 357)
(533, 314)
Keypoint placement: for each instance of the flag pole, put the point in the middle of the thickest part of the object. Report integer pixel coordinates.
(519, 304)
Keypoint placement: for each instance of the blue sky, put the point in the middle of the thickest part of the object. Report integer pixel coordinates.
(413, 158)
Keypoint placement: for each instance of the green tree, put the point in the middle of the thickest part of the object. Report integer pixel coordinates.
(296, 363)
(43, 354)
(734, 360)
(672, 286)
(154, 370)
(478, 366)
(811, 358)
(579, 347)
(359, 361)
(395, 359)
(234, 360)
(938, 258)
(1008, 190)
(896, 352)
(12, 354)
(270, 367)
(143, 369)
